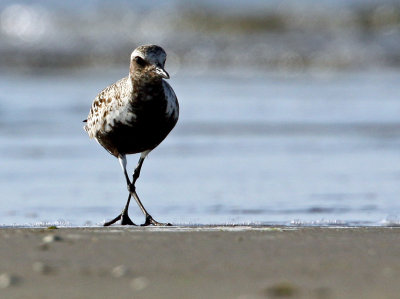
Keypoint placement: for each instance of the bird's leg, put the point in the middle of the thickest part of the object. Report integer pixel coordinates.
(132, 190)
(125, 220)
(149, 218)
(136, 173)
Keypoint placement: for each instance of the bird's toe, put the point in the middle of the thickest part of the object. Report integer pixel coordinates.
(151, 221)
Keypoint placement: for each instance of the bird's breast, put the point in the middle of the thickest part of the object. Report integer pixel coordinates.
(139, 122)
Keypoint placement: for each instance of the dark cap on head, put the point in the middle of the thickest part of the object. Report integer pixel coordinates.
(150, 57)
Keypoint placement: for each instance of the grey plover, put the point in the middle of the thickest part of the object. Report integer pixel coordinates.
(133, 116)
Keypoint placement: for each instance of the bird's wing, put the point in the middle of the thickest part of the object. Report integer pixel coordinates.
(109, 101)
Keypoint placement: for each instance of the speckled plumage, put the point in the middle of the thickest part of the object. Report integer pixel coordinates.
(134, 115)
(137, 112)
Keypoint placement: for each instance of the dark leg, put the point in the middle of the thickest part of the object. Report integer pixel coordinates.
(132, 190)
(136, 173)
(125, 220)
(149, 218)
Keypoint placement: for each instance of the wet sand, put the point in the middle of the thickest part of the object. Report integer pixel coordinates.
(206, 262)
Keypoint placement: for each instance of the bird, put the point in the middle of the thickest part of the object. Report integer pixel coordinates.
(133, 116)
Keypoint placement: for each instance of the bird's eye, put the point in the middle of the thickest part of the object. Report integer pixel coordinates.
(140, 61)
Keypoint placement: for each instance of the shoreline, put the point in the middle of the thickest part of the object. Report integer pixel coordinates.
(200, 262)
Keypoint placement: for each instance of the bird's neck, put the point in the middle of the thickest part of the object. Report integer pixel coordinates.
(144, 85)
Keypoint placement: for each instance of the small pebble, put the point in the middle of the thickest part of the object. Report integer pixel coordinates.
(139, 283)
(51, 238)
(6, 280)
(284, 289)
(40, 267)
(120, 271)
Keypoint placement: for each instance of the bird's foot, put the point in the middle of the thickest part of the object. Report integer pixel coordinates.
(125, 220)
(151, 221)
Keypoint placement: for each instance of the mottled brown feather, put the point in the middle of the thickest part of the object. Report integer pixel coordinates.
(134, 114)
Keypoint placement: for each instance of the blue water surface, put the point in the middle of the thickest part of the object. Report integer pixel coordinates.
(315, 149)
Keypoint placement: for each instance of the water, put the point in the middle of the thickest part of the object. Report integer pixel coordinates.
(261, 148)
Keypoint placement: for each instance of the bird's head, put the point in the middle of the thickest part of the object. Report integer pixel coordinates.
(148, 61)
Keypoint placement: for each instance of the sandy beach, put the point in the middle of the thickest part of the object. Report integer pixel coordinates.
(203, 262)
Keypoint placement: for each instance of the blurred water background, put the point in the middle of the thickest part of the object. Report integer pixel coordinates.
(289, 111)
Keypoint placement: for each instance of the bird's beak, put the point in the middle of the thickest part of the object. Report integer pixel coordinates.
(161, 72)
